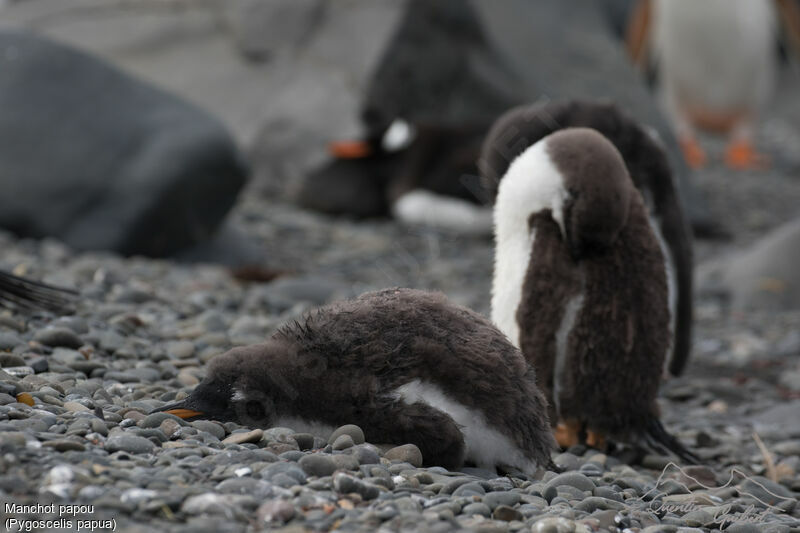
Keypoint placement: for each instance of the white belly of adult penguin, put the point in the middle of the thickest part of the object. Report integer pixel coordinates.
(717, 67)
(580, 286)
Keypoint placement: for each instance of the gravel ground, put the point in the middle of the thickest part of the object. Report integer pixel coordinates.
(144, 330)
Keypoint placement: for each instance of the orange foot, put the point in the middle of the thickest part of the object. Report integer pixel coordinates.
(566, 433)
(596, 440)
(742, 155)
(693, 153)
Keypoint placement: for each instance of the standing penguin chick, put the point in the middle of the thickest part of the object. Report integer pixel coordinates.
(405, 365)
(580, 286)
(649, 169)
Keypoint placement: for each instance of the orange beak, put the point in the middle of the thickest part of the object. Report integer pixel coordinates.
(349, 149)
(184, 413)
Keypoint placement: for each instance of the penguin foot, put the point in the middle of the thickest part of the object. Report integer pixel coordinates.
(596, 440)
(567, 433)
(693, 153)
(742, 155)
(350, 149)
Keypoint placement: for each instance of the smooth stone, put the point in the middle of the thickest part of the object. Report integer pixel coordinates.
(75, 407)
(275, 511)
(477, 508)
(567, 461)
(9, 359)
(766, 490)
(494, 499)
(507, 514)
(470, 489)
(572, 479)
(58, 337)
(343, 442)
(743, 528)
(345, 484)
(244, 437)
(345, 462)
(292, 455)
(129, 443)
(9, 341)
(209, 427)
(554, 525)
(65, 445)
(355, 432)
(154, 420)
(316, 464)
(408, 453)
(594, 503)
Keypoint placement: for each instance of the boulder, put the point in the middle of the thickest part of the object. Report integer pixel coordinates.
(764, 276)
(103, 161)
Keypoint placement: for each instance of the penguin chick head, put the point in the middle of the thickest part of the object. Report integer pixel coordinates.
(598, 189)
(239, 387)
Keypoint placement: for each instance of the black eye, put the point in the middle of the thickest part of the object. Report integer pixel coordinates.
(254, 410)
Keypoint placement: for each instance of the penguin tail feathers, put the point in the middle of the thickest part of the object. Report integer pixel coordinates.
(660, 440)
(27, 294)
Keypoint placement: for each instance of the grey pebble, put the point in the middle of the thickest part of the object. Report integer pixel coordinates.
(129, 443)
(572, 479)
(317, 464)
(58, 336)
(355, 433)
(478, 508)
(343, 442)
(507, 514)
(493, 499)
(408, 453)
(344, 484)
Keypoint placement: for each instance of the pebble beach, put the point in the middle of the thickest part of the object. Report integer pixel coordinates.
(76, 392)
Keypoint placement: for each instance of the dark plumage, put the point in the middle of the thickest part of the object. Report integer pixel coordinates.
(593, 315)
(647, 165)
(22, 293)
(403, 364)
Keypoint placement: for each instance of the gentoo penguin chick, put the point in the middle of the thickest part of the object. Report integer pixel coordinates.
(648, 167)
(580, 286)
(716, 66)
(23, 293)
(405, 365)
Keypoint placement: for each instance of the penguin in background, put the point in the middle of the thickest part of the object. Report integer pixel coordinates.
(647, 165)
(580, 285)
(405, 365)
(716, 66)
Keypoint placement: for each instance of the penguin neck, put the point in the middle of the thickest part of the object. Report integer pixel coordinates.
(532, 184)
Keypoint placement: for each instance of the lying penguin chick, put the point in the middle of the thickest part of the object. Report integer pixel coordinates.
(405, 365)
(580, 286)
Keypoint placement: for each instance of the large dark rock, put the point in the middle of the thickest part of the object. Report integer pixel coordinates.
(765, 276)
(100, 160)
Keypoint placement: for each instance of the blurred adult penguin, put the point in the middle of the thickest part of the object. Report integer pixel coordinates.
(716, 66)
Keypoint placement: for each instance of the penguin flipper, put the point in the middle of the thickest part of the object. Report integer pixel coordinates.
(637, 34)
(433, 431)
(29, 295)
(660, 440)
(789, 15)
